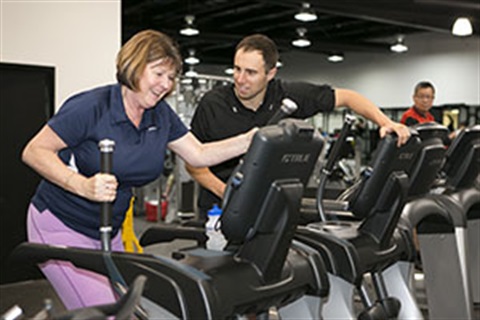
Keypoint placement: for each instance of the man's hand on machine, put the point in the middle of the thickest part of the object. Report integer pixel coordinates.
(249, 134)
(401, 130)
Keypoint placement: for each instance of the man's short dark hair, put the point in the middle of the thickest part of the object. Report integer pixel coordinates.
(264, 44)
(424, 85)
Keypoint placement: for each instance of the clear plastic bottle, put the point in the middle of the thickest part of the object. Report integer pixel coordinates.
(216, 239)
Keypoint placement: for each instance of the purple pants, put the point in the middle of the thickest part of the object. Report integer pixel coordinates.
(77, 288)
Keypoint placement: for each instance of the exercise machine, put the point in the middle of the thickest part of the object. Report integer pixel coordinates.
(447, 221)
(260, 269)
(369, 246)
(123, 309)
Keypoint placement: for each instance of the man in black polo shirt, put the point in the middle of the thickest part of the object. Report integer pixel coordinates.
(253, 99)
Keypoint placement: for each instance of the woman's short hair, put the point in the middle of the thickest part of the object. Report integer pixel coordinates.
(263, 44)
(145, 47)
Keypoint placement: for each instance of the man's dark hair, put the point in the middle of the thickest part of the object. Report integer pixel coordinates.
(424, 85)
(264, 44)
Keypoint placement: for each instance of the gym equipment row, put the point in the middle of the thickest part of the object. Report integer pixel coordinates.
(312, 271)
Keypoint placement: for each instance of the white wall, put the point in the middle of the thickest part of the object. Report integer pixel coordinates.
(452, 64)
(79, 38)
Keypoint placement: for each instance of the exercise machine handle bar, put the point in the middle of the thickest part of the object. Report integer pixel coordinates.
(106, 147)
(327, 169)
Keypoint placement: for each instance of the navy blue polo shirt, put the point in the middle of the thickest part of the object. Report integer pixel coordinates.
(84, 120)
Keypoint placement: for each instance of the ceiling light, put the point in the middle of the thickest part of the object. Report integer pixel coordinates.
(462, 27)
(301, 41)
(191, 59)
(189, 29)
(186, 81)
(399, 46)
(229, 71)
(306, 14)
(336, 57)
(279, 64)
(191, 72)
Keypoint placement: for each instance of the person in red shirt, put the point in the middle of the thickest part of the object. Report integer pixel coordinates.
(423, 96)
(423, 100)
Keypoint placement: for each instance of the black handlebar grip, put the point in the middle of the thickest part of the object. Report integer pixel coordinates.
(106, 147)
(349, 120)
(327, 170)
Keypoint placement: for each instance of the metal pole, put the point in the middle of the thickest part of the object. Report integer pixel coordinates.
(106, 147)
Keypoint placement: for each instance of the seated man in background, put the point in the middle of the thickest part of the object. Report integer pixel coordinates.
(423, 96)
(252, 100)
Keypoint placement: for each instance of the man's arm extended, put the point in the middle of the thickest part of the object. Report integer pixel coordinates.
(207, 179)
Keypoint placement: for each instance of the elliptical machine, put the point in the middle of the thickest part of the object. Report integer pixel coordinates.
(447, 220)
(260, 268)
(359, 237)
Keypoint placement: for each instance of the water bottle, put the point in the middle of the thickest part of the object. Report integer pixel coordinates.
(216, 240)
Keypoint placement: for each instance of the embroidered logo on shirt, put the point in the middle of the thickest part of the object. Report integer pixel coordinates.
(152, 128)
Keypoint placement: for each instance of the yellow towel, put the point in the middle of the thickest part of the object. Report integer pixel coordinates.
(130, 241)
